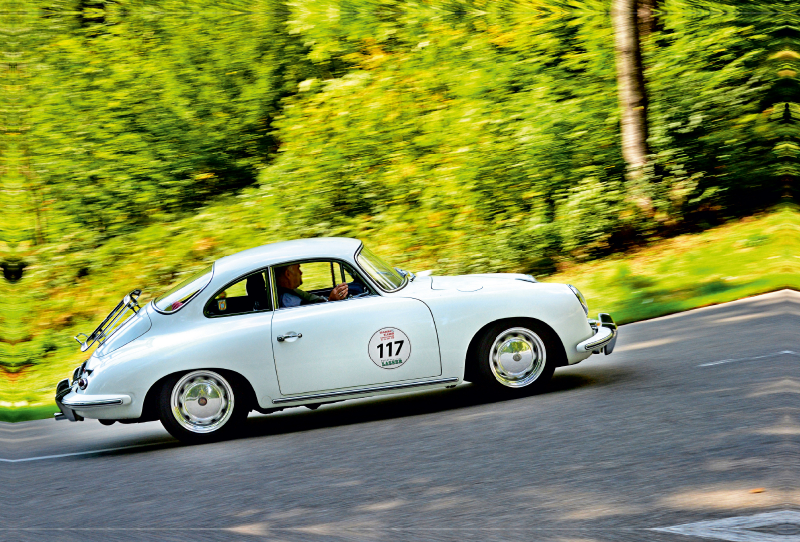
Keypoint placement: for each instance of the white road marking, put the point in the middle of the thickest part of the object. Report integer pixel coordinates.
(88, 452)
(738, 529)
(735, 529)
(736, 532)
(781, 353)
(355, 529)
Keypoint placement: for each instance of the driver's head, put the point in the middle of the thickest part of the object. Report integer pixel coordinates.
(289, 276)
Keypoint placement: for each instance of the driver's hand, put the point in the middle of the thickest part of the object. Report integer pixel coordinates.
(339, 292)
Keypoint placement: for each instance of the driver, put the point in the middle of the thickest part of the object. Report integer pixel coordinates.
(290, 277)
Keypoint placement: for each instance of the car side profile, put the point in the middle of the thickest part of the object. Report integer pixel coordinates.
(222, 343)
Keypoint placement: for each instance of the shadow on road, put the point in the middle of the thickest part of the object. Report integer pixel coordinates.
(402, 406)
(300, 419)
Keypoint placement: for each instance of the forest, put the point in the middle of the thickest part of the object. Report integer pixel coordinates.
(143, 140)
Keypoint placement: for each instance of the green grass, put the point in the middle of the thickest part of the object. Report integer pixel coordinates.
(28, 413)
(751, 256)
(741, 259)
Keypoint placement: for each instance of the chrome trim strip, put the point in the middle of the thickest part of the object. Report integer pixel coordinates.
(273, 289)
(76, 401)
(372, 389)
(90, 404)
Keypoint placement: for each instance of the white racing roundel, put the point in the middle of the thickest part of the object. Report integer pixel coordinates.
(389, 348)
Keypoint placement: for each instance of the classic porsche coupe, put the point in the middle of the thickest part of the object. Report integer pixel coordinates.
(228, 340)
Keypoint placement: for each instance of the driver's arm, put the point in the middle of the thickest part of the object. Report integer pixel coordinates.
(339, 292)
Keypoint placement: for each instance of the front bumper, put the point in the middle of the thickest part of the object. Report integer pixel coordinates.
(69, 401)
(604, 338)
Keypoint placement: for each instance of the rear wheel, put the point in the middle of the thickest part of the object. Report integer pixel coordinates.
(201, 406)
(516, 357)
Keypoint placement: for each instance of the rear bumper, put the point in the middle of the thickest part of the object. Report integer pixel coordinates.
(69, 402)
(604, 338)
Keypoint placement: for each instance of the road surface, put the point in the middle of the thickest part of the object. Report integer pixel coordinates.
(694, 418)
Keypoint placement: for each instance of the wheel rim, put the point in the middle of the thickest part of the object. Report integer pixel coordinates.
(202, 401)
(517, 357)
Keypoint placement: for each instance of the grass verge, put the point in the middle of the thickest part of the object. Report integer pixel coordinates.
(752, 256)
(27, 413)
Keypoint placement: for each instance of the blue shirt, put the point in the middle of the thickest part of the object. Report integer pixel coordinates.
(294, 298)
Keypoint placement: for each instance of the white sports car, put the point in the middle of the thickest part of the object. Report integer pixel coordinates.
(241, 335)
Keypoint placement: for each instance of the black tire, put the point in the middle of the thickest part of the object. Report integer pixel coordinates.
(515, 358)
(202, 406)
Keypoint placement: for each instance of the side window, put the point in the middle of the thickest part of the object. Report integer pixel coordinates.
(249, 294)
(317, 279)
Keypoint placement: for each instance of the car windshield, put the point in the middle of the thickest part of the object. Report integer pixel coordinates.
(381, 272)
(178, 296)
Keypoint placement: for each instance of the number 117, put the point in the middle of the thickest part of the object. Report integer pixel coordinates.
(389, 348)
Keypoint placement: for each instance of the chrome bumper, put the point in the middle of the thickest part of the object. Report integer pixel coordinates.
(68, 402)
(604, 338)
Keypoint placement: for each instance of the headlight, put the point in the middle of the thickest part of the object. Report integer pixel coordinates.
(580, 297)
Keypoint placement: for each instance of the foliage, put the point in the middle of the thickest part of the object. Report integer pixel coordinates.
(137, 114)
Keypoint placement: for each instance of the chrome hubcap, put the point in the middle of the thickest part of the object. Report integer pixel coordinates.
(517, 357)
(202, 401)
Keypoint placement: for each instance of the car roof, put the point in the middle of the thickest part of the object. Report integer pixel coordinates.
(342, 248)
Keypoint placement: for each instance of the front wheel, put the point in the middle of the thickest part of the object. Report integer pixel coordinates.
(200, 406)
(516, 357)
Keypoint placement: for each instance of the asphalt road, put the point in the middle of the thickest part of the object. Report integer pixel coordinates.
(694, 418)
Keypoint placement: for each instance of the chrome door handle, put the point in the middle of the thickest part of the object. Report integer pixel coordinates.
(289, 336)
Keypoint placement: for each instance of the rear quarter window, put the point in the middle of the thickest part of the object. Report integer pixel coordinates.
(248, 294)
(183, 292)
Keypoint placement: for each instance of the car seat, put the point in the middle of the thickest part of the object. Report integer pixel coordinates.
(257, 291)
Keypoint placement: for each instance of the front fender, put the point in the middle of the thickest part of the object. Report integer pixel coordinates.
(460, 315)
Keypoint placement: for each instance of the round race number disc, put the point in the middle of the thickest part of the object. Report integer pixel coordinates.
(389, 348)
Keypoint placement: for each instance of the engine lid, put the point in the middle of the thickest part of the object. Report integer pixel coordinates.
(133, 328)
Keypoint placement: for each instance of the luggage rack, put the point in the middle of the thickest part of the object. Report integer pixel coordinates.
(107, 326)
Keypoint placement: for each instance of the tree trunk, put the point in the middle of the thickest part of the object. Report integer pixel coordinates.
(630, 84)
(649, 19)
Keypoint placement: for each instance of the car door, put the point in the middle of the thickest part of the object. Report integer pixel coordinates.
(354, 343)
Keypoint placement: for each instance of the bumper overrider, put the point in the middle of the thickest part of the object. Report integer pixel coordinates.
(69, 401)
(604, 338)
(66, 413)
